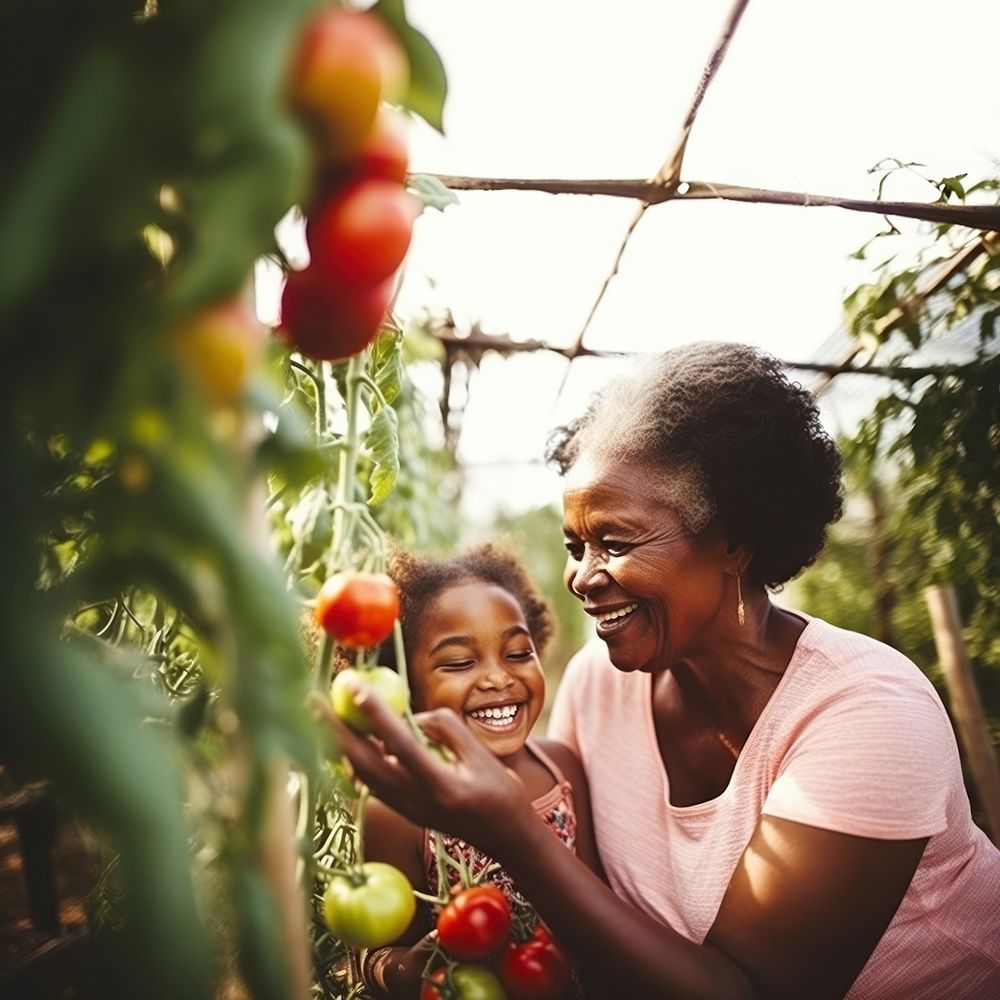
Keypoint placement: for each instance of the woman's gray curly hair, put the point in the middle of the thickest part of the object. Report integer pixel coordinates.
(736, 442)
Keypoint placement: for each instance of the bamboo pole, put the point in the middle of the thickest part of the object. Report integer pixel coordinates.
(966, 706)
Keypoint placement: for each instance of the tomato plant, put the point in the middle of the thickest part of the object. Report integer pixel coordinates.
(370, 907)
(462, 982)
(475, 923)
(360, 235)
(329, 323)
(386, 683)
(142, 592)
(536, 969)
(347, 62)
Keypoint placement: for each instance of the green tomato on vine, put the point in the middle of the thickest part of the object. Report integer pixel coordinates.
(386, 683)
(371, 907)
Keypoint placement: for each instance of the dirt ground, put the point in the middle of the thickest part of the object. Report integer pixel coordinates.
(74, 875)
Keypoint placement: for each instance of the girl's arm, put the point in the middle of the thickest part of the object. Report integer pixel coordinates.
(569, 764)
(803, 911)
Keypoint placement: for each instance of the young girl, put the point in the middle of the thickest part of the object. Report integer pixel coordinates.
(473, 631)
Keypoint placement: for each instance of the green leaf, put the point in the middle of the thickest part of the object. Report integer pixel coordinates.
(40, 201)
(382, 441)
(431, 192)
(428, 81)
(386, 363)
(384, 346)
(949, 186)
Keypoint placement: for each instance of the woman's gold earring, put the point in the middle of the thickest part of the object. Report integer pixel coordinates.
(740, 613)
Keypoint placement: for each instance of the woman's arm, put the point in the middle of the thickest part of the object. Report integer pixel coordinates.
(802, 913)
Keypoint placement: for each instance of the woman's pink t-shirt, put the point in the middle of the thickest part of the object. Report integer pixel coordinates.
(854, 739)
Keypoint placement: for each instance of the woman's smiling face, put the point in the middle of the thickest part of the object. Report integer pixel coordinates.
(473, 653)
(654, 590)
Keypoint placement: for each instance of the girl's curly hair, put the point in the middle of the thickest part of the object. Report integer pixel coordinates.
(735, 442)
(421, 578)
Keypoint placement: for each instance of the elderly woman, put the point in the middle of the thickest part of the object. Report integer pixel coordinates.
(778, 803)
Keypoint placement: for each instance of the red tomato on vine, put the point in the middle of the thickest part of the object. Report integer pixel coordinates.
(536, 969)
(475, 923)
(327, 322)
(360, 234)
(346, 64)
(358, 609)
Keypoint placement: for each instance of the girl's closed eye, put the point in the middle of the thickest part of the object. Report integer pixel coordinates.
(464, 664)
(521, 654)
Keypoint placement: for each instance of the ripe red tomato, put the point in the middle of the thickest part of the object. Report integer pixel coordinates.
(346, 63)
(537, 969)
(467, 982)
(360, 235)
(475, 923)
(358, 609)
(325, 321)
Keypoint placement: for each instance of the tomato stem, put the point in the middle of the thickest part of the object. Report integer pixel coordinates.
(372, 385)
(346, 471)
(359, 826)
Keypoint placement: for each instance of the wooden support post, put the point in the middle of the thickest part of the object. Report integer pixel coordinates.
(966, 707)
(33, 812)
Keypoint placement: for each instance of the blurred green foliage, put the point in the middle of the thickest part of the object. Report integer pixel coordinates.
(154, 667)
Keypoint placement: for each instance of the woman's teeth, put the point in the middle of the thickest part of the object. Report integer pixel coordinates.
(614, 615)
(498, 717)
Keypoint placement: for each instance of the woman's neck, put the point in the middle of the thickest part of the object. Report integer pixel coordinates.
(731, 683)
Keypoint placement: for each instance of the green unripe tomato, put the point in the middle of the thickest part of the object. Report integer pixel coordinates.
(371, 908)
(466, 982)
(386, 683)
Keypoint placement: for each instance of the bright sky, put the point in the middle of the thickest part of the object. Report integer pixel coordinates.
(809, 97)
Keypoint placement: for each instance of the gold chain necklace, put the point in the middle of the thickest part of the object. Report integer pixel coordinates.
(727, 743)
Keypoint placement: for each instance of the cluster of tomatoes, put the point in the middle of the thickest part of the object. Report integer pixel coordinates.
(486, 961)
(347, 66)
(359, 610)
(373, 904)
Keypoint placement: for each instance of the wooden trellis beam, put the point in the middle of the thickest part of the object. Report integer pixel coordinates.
(666, 180)
(477, 342)
(982, 217)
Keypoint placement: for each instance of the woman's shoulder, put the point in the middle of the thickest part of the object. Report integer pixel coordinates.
(845, 659)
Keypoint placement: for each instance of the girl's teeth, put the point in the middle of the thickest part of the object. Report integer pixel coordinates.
(613, 615)
(499, 715)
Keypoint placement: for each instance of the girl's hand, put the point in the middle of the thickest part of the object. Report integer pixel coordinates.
(397, 971)
(474, 796)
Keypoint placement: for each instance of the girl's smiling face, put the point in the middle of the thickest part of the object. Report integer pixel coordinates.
(473, 653)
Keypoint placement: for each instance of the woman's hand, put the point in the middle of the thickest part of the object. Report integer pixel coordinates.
(473, 796)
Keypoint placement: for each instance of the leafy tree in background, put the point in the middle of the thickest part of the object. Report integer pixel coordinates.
(921, 467)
